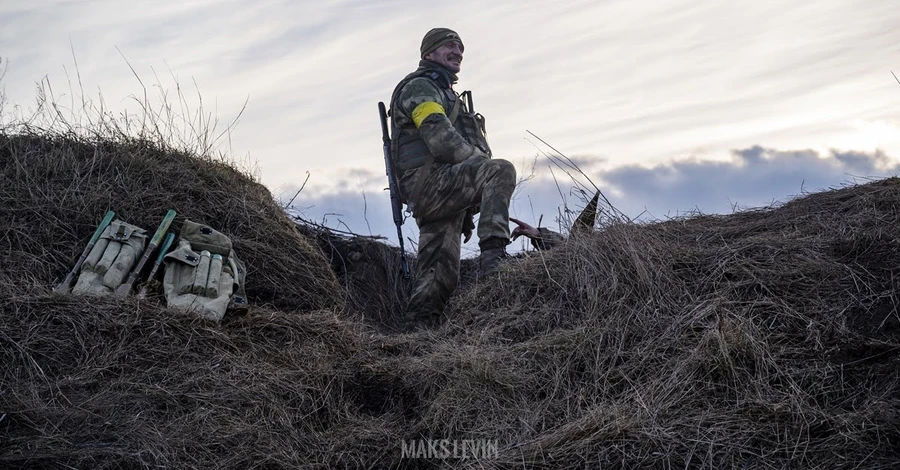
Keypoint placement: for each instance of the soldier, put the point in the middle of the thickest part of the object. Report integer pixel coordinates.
(541, 238)
(446, 174)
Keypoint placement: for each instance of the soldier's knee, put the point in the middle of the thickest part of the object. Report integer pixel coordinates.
(504, 169)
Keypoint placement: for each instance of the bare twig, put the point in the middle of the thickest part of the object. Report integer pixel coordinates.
(342, 232)
(298, 191)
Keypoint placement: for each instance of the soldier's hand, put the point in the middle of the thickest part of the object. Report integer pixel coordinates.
(523, 229)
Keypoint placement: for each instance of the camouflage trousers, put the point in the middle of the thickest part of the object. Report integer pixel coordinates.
(446, 197)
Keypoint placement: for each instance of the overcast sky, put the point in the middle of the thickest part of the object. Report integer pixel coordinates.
(668, 106)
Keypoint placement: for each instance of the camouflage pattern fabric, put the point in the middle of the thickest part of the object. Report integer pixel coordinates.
(461, 178)
(446, 142)
(437, 268)
(451, 189)
(442, 210)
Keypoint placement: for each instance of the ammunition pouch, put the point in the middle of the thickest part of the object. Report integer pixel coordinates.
(203, 275)
(111, 260)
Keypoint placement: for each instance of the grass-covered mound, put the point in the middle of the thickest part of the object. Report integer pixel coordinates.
(763, 339)
(56, 188)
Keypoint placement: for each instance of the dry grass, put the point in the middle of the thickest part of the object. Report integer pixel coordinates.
(57, 187)
(369, 270)
(762, 339)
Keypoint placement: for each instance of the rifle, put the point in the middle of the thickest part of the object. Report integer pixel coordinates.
(471, 106)
(479, 121)
(64, 286)
(125, 288)
(392, 187)
(159, 258)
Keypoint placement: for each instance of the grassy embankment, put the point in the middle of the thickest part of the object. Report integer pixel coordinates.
(764, 339)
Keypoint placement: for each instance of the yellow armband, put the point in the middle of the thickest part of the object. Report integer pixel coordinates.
(424, 110)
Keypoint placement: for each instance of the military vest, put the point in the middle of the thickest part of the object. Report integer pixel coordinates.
(408, 149)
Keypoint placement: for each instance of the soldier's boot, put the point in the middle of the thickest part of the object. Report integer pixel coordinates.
(493, 254)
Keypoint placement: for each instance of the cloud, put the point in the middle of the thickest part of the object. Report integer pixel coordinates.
(655, 84)
(753, 177)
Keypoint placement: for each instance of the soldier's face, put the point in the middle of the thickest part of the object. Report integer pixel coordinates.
(449, 55)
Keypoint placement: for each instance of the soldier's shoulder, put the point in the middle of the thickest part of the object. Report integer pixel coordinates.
(420, 87)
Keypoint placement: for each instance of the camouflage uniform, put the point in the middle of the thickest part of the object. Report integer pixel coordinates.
(460, 177)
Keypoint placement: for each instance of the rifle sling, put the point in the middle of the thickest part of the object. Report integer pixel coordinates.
(455, 111)
(425, 171)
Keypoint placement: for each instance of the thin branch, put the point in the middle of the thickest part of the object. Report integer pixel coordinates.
(334, 230)
(298, 191)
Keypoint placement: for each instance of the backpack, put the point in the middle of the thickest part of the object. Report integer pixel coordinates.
(203, 275)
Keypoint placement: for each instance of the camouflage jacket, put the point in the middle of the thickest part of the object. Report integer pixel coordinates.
(424, 125)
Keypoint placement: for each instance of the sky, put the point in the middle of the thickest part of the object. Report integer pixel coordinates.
(669, 107)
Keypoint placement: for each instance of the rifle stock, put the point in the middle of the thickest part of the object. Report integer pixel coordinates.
(392, 187)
